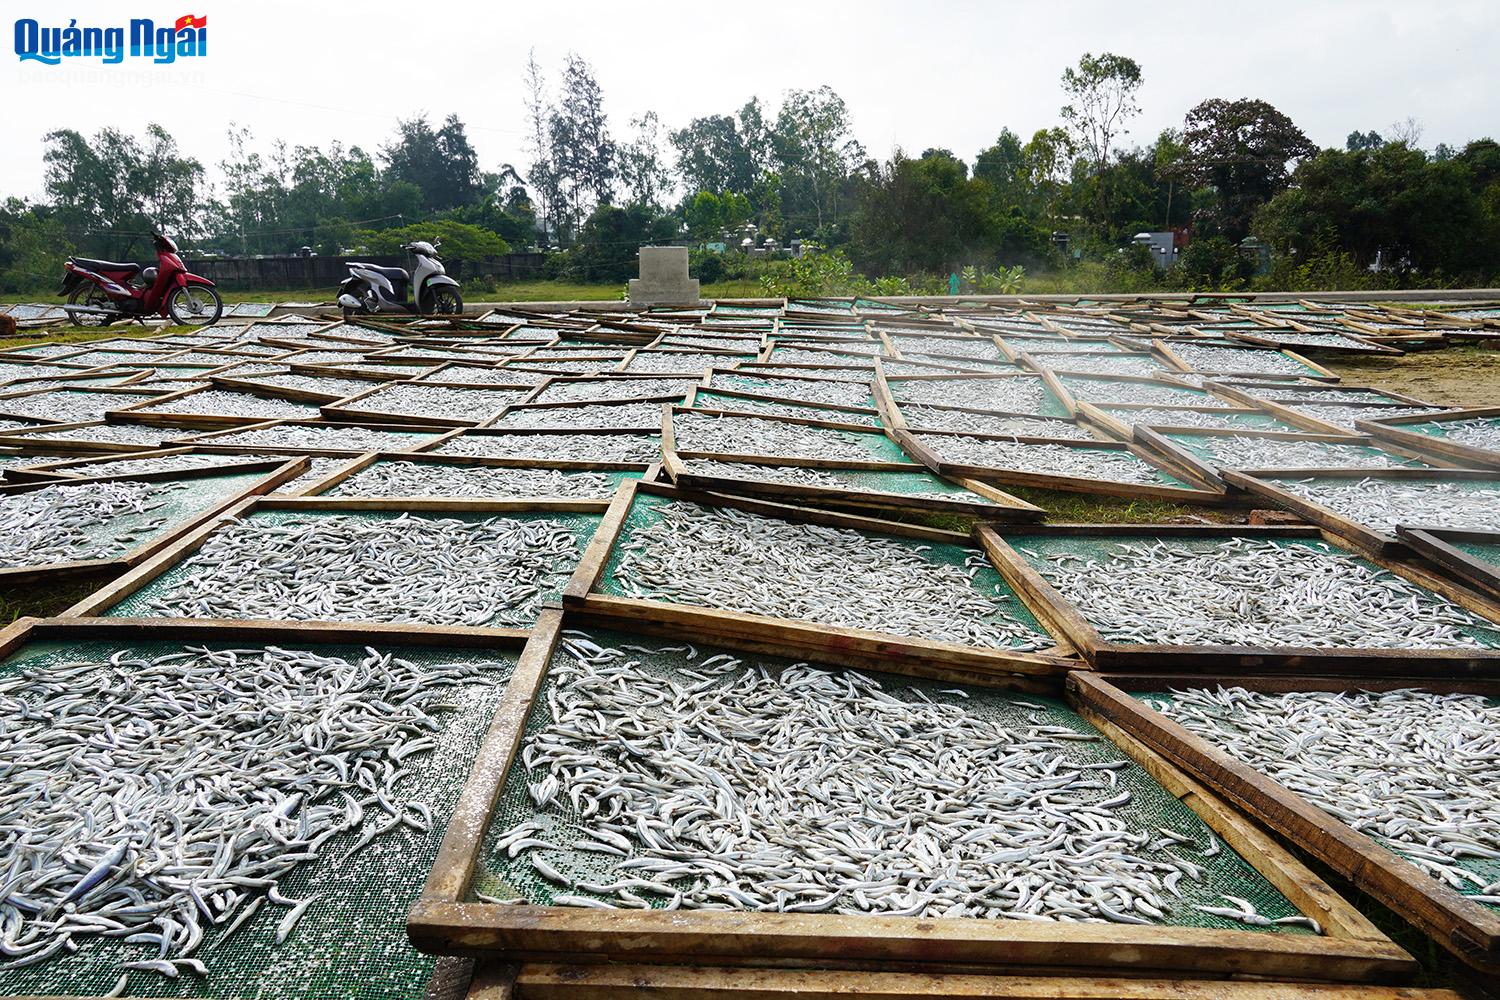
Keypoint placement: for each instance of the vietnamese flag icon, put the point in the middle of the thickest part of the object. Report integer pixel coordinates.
(189, 21)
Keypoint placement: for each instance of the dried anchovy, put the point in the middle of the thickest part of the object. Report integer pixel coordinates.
(435, 571)
(111, 433)
(828, 391)
(1412, 769)
(1169, 417)
(967, 347)
(442, 402)
(1244, 592)
(1124, 364)
(728, 559)
(803, 410)
(559, 447)
(1042, 459)
(340, 438)
(1337, 340)
(319, 466)
(1242, 452)
(1317, 394)
(832, 479)
(1018, 394)
(939, 419)
(1235, 359)
(65, 406)
(328, 385)
(680, 361)
(804, 790)
(1344, 416)
(732, 435)
(833, 354)
(163, 463)
(833, 372)
(61, 523)
(473, 375)
(160, 797)
(386, 479)
(222, 402)
(1478, 432)
(605, 389)
(1102, 391)
(625, 413)
(1382, 504)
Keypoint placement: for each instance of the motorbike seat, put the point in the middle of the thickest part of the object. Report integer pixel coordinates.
(390, 273)
(104, 265)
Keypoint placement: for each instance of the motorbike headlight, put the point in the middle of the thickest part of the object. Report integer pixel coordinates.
(149, 274)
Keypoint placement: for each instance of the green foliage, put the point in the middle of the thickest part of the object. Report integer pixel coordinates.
(441, 162)
(607, 248)
(707, 213)
(1242, 149)
(818, 271)
(1213, 264)
(33, 246)
(460, 240)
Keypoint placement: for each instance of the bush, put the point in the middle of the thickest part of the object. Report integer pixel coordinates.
(1213, 264)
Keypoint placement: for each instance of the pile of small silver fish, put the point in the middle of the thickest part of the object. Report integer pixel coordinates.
(1042, 459)
(1345, 416)
(934, 418)
(698, 432)
(1384, 503)
(1248, 592)
(336, 567)
(318, 467)
(438, 401)
(328, 385)
(473, 375)
(963, 347)
(110, 433)
(1170, 417)
(156, 799)
(66, 523)
(222, 402)
(325, 438)
(66, 406)
(738, 561)
(734, 786)
(806, 390)
(1480, 432)
(627, 413)
(1239, 451)
(1303, 393)
(602, 390)
(385, 479)
(1106, 391)
(166, 463)
(1233, 359)
(834, 479)
(801, 410)
(1108, 364)
(1412, 769)
(1020, 394)
(558, 447)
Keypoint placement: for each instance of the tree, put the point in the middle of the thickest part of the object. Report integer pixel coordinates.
(1171, 155)
(708, 213)
(582, 152)
(441, 162)
(542, 174)
(712, 155)
(1101, 100)
(815, 151)
(608, 242)
(460, 240)
(1363, 140)
(642, 172)
(1242, 149)
(1004, 166)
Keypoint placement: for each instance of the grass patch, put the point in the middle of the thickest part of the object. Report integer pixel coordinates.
(43, 600)
(1087, 508)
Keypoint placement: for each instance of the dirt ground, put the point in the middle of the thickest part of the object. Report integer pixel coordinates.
(1454, 376)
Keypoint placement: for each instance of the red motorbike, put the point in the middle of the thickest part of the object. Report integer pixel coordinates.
(100, 291)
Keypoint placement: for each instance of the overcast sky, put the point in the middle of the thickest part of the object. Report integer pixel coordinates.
(938, 73)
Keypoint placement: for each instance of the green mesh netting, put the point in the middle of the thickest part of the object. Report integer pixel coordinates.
(1037, 549)
(1439, 428)
(137, 605)
(1151, 807)
(1486, 868)
(352, 941)
(1487, 551)
(646, 511)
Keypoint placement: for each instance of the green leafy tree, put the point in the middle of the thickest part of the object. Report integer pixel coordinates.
(643, 172)
(1358, 140)
(815, 153)
(925, 214)
(460, 240)
(582, 153)
(1244, 150)
(607, 248)
(442, 162)
(1101, 93)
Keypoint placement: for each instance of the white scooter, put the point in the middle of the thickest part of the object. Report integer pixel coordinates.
(372, 289)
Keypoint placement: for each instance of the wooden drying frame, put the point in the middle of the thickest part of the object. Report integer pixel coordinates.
(832, 421)
(64, 472)
(1063, 617)
(1468, 929)
(1393, 429)
(211, 440)
(1003, 506)
(1159, 441)
(1269, 339)
(359, 463)
(849, 646)
(669, 443)
(431, 447)
(1261, 483)
(1071, 402)
(135, 413)
(1437, 545)
(444, 922)
(1202, 492)
(1279, 409)
(165, 559)
(1163, 346)
(1118, 429)
(277, 471)
(567, 980)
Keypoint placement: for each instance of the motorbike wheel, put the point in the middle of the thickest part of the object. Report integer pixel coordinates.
(93, 297)
(195, 305)
(443, 300)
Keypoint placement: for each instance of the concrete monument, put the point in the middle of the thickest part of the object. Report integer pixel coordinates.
(664, 279)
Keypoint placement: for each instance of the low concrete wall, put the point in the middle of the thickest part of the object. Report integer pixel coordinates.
(286, 273)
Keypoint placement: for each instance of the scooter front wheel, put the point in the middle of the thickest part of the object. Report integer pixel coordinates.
(443, 300)
(92, 297)
(195, 305)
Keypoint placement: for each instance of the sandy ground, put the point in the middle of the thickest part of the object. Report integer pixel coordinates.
(1454, 376)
